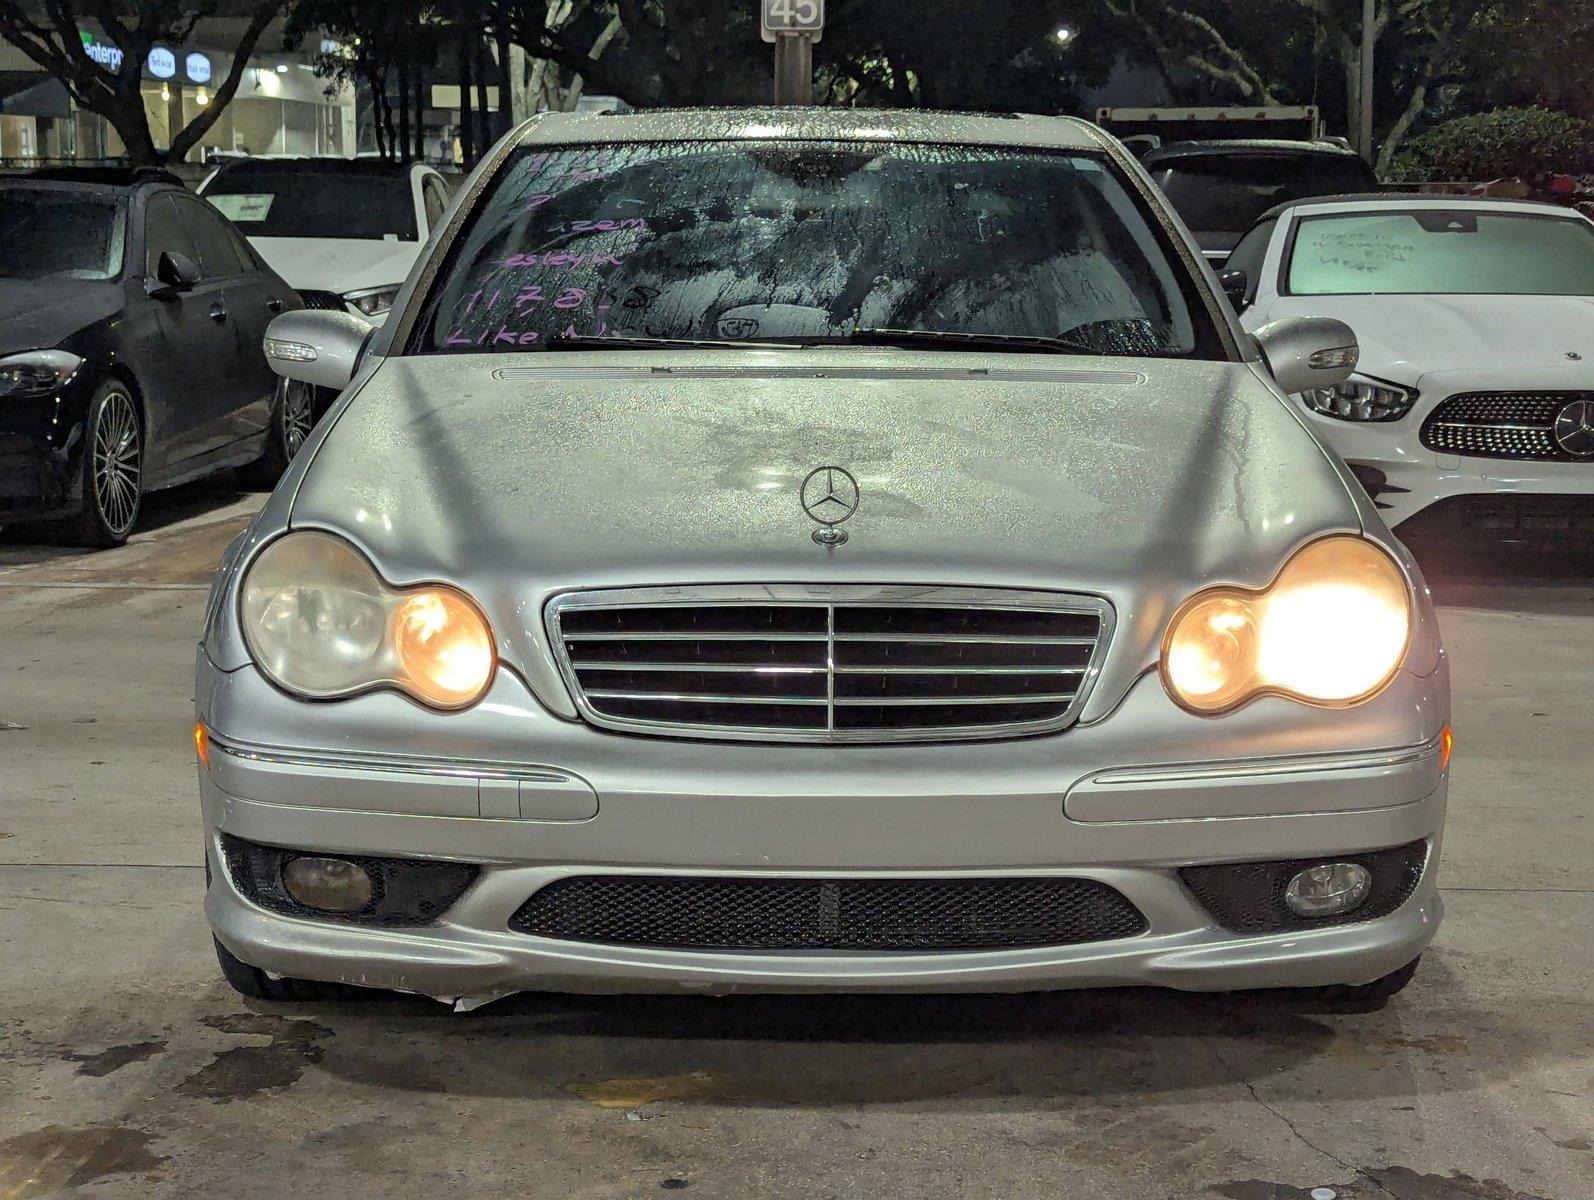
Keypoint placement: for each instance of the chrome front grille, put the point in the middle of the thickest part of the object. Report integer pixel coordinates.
(853, 664)
(1514, 425)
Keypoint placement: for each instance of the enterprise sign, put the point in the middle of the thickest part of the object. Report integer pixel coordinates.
(161, 64)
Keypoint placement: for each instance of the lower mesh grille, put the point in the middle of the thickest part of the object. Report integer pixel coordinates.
(711, 913)
(408, 891)
(1249, 897)
(330, 301)
(1554, 521)
(1513, 425)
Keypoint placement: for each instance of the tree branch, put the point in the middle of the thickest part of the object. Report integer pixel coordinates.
(183, 142)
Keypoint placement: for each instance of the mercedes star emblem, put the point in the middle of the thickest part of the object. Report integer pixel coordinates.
(1574, 429)
(830, 496)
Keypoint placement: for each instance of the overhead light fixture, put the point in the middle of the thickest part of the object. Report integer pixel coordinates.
(202, 96)
(1064, 35)
(166, 92)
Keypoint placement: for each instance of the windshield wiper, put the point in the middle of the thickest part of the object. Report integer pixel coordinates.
(913, 338)
(604, 341)
(974, 341)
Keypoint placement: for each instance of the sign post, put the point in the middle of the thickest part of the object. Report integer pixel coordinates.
(793, 26)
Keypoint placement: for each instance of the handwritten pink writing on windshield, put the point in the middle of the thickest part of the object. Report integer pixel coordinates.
(562, 259)
(506, 336)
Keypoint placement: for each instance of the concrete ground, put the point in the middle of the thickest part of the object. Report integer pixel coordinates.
(127, 1068)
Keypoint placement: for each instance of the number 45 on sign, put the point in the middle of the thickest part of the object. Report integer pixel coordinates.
(792, 17)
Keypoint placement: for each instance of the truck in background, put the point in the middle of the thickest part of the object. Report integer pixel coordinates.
(1144, 129)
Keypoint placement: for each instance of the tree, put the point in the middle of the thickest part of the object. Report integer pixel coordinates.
(927, 53)
(52, 36)
(1257, 52)
(924, 53)
(1530, 144)
(385, 44)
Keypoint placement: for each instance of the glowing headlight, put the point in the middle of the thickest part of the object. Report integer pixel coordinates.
(1358, 400)
(373, 302)
(1330, 630)
(36, 372)
(321, 623)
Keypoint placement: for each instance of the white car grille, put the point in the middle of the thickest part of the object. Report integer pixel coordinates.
(1514, 425)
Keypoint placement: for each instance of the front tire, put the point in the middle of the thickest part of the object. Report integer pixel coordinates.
(292, 417)
(112, 471)
(257, 985)
(1370, 997)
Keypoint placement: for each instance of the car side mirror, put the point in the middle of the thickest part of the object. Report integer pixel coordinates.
(1308, 352)
(317, 346)
(175, 273)
(1235, 284)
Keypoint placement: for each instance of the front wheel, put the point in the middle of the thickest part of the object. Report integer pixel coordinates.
(257, 985)
(292, 418)
(1369, 997)
(113, 465)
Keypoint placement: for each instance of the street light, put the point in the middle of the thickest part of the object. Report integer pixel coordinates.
(1064, 35)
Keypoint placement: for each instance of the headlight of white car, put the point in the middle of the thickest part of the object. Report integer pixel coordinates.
(1330, 630)
(322, 624)
(373, 302)
(36, 372)
(1360, 400)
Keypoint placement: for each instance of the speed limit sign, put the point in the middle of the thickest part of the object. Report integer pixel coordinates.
(806, 17)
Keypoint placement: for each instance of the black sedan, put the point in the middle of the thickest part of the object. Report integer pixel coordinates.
(131, 324)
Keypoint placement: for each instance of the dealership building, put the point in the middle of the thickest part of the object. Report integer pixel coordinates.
(281, 106)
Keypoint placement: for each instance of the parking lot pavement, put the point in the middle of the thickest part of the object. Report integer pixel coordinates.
(127, 1068)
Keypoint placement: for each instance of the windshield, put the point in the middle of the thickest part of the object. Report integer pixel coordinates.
(1451, 251)
(810, 242)
(59, 233)
(307, 202)
(1226, 194)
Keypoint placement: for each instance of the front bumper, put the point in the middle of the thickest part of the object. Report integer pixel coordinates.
(1126, 801)
(1406, 477)
(41, 452)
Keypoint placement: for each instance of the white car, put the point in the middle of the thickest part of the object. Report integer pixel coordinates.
(1473, 403)
(343, 232)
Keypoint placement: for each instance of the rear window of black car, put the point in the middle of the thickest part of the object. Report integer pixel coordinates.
(1226, 193)
(308, 201)
(60, 232)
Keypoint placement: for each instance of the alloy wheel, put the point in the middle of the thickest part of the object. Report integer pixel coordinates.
(116, 463)
(298, 414)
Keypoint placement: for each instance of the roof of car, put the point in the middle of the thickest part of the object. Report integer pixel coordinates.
(103, 177)
(1405, 201)
(844, 124)
(1246, 146)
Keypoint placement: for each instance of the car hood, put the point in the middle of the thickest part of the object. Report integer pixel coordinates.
(36, 314)
(1404, 338)
(337, 264)
(518, 476)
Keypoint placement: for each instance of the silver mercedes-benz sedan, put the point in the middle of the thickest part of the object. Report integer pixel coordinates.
(804, 550)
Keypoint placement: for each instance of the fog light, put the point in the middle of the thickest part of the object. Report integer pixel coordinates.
(330, 884)
(1327, 890)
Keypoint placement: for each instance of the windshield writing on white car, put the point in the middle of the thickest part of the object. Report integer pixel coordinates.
(1458, 252)
(808, 243)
